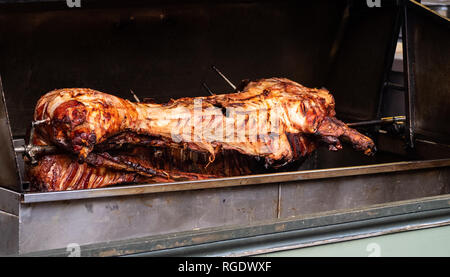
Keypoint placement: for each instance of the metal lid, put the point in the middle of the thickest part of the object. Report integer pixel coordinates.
(427, 42)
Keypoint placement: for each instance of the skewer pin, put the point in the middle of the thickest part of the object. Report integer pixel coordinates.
(135, 96)
(223, 77)
(384, 120)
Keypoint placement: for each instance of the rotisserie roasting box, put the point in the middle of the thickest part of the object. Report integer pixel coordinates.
(165, 50)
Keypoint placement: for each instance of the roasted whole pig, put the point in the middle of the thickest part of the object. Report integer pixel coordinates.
(271, 123)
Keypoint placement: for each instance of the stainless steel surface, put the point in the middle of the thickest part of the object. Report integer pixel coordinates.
(9, 176)
(95, 220)
(235, 181)
(282, 234)
(9, 234)
(335, 182)
(50, 225)
(359, 191)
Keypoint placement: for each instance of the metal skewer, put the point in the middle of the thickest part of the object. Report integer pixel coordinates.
(223, 77)
(384, 120)
(34, 124)
(135, 96)
(33, 150)
(205, 86)
(39, 122)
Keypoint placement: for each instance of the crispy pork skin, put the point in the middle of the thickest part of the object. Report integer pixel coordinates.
(106, 140)
(254, 122)
(61, 172)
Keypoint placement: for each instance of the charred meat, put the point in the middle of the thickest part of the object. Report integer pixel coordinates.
(269, 124)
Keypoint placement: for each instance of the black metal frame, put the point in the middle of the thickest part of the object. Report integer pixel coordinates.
(390, 58)
(408, 62)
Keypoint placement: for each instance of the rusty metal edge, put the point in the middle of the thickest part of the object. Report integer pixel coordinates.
(232, 181)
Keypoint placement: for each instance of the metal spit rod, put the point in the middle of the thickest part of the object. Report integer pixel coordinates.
(384, 120)
(33, 150)
(223, 77)
(135, 96)
(205, 86)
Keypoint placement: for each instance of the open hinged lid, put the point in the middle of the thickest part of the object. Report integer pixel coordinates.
(10, 176)
(427, 66)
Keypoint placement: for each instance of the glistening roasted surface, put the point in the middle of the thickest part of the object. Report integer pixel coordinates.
(271, 123)
(138, 165)
(256, 121)
(122, 164)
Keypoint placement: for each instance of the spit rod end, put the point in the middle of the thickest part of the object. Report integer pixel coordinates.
(135, 96)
